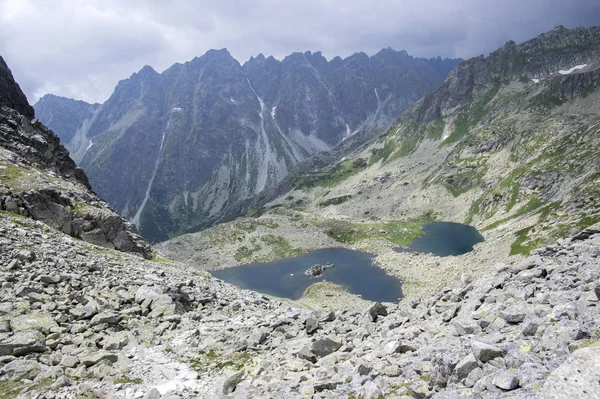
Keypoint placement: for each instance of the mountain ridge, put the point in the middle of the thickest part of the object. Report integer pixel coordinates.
(236, 129)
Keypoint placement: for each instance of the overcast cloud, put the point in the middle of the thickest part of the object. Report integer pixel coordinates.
(82, 48)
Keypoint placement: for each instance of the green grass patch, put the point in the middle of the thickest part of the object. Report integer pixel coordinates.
(10, 389)
(280, 247)
(382, 154)
(335, 201)
(127, 380)
(245, 253)
(397, 232)
(461, 128)
(523, 245)
(12, 173)
(217, 360)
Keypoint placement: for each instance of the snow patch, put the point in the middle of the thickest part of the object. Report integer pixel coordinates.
(233, 101)
(569, 71)
(89, 145)
(535, 80)
(177, 109)
(447, 129)
(348, 131)
(376, 95)
(273, 112)
(136, 219)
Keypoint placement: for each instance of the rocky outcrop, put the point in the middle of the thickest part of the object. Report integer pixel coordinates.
(318, 269)
(11, 95)
(39, 180)
(77, 319)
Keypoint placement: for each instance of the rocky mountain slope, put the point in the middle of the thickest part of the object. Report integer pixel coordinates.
(77, 320)
(509, 143)
(40, 181)
(170, 150)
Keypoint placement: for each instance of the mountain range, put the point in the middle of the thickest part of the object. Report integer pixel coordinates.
(170, 150)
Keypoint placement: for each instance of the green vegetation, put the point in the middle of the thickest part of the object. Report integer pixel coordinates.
(11, 173)
(280, 247)
(523, 245)
(243, 252)
(335, 201)
(461, 128)
(276, 247)
(435, 129)
(382, 154)
(10, 389)
(79, 207)
(216, 359)
(397, 232)
(127, 380)
(333, 176)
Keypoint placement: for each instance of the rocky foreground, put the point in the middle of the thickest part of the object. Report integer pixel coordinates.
(78, 320)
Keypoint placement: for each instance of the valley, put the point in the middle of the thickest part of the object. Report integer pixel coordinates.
(290, 199)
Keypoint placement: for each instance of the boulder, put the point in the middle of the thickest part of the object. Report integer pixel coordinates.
(465, 366)
(578, 376)
(377, 310)
(40, 321)
(326, 346)
(484, 352)
(21, 369)
(506, 380)
(23, 343)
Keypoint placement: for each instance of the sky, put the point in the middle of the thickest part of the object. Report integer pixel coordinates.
(82, 48)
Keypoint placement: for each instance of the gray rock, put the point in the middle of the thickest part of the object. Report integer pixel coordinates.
(231, 382)
(40, 321)
(312, 325)
(513, 314)
(484, 352)
(579, 376)
(507, 380)
(325, 346)
(326, 385)
(21, 369)
(465, 366)
(377, 310)
(153, 394)
(90, 359)
(530, 328)
(69, 361)
(23, 343)
(54, 279)
(105, 318)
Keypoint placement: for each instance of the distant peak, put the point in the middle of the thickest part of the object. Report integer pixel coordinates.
(218, 53)
(147, 70)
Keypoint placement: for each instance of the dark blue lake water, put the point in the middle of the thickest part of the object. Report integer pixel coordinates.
(285, 278)
(445, 239)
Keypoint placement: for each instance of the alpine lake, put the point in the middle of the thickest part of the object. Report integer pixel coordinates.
(351, 269)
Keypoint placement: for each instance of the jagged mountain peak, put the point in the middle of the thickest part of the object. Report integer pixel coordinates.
(11, 94)
(211, 131)
(147, 70)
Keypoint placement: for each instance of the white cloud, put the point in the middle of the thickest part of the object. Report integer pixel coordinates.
(82, 48)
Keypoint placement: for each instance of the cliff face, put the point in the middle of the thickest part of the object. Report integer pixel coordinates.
(39, 180)
(170, 150)
(11, 94)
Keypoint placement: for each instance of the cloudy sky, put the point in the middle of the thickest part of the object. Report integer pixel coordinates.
(82, 48)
